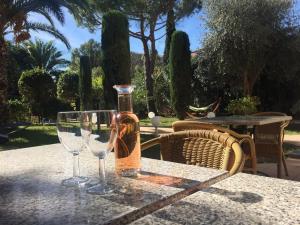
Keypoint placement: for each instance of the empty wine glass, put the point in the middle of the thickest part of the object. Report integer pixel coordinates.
(101, 128)
(69, 134)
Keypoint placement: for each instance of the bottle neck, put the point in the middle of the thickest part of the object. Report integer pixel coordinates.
(125, 103)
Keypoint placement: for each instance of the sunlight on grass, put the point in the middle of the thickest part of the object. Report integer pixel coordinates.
(20, 140)
(291, 132)
(164, 121)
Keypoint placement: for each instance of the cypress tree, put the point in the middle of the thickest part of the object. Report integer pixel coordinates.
(116, 54)
(85, 83)
(170, 28)
(180, 72)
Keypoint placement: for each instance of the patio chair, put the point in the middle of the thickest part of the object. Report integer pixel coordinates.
(269, 139)
(200, 147)
(244, 140)
(202, 111)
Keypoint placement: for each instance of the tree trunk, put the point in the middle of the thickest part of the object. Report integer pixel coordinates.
(249, 81)
(149, 69)
(3, 81)
(149, 63)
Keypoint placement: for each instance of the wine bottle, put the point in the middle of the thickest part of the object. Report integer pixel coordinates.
(127, 148)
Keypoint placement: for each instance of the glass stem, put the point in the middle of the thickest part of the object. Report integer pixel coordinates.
(76, 171)
(102, 171)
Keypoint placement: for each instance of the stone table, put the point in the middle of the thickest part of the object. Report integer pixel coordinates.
(31, 191)
(247, 120)
(240, 199)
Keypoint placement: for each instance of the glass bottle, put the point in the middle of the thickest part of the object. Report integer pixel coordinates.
(128, 148)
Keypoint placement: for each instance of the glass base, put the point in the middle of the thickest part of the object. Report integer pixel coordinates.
(74, 181)
(129, 172)
(99, 189)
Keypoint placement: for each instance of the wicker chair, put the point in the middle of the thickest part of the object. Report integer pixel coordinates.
(245, 141)
(200, 147)
(269, 139)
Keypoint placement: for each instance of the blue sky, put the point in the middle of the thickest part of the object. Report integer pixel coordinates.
(76, 35)
(194, 26)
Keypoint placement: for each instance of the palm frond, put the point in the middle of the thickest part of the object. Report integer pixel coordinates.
(49, 29)
(51, 7)
(44, 55)
(46, 15)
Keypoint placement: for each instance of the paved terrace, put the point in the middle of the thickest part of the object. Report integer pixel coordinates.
(293, 164)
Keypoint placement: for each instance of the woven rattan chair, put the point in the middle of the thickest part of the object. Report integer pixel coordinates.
(269, 139)
(200, 147)
(245, 141)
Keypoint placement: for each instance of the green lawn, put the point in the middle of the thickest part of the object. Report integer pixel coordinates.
(31, 136)
(36, 135)
(293, 128)
(291, 132)
(43, 135)
(164, 121)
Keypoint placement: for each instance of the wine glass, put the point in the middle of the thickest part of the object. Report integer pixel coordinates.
(69, 134)
(101, 127)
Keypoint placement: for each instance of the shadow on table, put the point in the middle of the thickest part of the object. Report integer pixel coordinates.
(206, 212)
(131, 193)
(36, 198)
(238, 196)
(210, 210)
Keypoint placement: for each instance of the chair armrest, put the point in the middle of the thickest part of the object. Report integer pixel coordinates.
(239, 159)
(150, 143)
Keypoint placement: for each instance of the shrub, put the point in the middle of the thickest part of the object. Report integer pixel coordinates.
(180, 72)
(54, 106)
(161, 93)
(85, 83)
(139, 94)
(243, 106)
(116, 54)
(36, 88)
(18, 111)
(97, 88)
(67, 87)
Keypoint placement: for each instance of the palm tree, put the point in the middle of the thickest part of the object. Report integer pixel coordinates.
(14, 19)
(44, 55)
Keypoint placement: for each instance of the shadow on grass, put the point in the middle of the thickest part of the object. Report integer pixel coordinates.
(153, 152)
(44, 135)
(31, 136)
(293, 128)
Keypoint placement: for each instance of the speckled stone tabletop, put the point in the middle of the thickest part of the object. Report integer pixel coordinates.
(244, 120)
(31, 191)
(240, 199)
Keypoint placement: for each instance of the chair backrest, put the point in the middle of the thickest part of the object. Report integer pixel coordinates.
(192, 125)
(205, 148)
(196, 125)
(270, 133)
(249, 148)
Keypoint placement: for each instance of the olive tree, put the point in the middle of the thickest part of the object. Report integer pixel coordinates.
(242, 35)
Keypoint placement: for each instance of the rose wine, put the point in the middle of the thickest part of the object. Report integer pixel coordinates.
(127, 148)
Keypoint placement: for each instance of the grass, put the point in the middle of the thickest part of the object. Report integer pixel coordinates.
(164, 121)
(36, 135)
(291, 132)
(31, 136)
(292, 129)
(287, 148)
